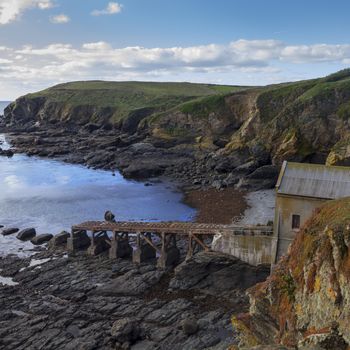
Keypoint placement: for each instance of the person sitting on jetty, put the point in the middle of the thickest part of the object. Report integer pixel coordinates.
(109, 216)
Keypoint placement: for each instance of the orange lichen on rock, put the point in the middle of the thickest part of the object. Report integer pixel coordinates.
(306, 300)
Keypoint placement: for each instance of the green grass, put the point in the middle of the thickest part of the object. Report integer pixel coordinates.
(325, 89)
(199, 100)
(202, 107)
(344, 111)
(274, 99)
(284, 98)
(125, 97)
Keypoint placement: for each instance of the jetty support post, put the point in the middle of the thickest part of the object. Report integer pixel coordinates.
(78, 240)
(169, 253)
(99, 242)
(120, 246)
(145, 248)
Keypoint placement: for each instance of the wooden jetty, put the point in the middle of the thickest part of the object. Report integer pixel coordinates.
(152, 238)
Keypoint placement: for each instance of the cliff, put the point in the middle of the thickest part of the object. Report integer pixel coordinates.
(120, 104)
(215, 135)
(302, 121)
(306, 300)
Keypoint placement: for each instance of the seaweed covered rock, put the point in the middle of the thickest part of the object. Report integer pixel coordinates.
(306, 300)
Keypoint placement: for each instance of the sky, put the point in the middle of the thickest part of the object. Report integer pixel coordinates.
(237, 42)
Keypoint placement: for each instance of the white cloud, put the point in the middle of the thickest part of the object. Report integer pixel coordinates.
(11, 10)
(244, 62)
(5, 61)
(111, 9)
(44, 5)
(100, 45)
(60, 19)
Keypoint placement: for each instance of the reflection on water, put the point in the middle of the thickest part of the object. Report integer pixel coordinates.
(51, 196)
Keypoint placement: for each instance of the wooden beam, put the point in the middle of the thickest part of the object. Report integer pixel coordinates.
(201, 243)
(150, 243)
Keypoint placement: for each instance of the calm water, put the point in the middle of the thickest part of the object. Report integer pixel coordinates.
(50, 195)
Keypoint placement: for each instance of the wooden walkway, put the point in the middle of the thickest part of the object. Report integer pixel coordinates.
(146, 245)
(175, 227)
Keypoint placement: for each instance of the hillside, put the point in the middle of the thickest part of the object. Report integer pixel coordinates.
(109, 102)
(210, 134)
(306, 300)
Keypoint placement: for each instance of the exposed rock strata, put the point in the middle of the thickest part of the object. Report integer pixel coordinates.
(306, 301)
(217, 140)
(82, 302)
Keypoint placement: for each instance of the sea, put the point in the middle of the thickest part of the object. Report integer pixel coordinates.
(51, 196)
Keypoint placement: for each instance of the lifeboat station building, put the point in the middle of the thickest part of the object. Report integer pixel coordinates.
(300, 189)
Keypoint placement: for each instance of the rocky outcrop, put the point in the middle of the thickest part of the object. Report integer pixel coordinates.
(80, 302)
(306, 300)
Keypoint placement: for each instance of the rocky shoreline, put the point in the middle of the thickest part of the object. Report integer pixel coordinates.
(57, 301)
(96, 303)
(140, 156)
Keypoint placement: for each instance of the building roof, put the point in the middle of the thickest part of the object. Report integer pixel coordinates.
(314, 180)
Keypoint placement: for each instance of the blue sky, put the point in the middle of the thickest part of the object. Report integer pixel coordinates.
(250, 42)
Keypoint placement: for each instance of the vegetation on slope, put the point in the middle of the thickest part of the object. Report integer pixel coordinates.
(126, 97)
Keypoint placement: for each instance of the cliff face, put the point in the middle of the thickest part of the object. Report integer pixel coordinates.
(227, 132)
(306, 300)
(302, 121)
(118, 104)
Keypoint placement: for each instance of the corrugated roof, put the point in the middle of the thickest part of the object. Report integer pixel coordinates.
(314, 180)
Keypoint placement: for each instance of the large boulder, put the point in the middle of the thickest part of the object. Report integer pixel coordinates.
(126, 330)
(26, 234)
(9, 231)
(189, 326)
(6, 152)
(41, 239)
(216, 273)
(263, 177)
(59, 239)
(143, 169)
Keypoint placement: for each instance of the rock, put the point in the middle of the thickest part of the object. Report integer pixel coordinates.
(312, 280)
(90, 127)
(263, 177)
(142, 147)
(131, 283)
(225, 165)
(142, 170)
(9, 231)
(217, 184)
(40, 239)
(6, 152)
(189, 326)
(26, 234)
(59, 239)
(265, 172)
(126, 330)
(216, 273)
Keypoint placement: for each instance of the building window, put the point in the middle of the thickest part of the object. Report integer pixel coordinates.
(295, 221)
